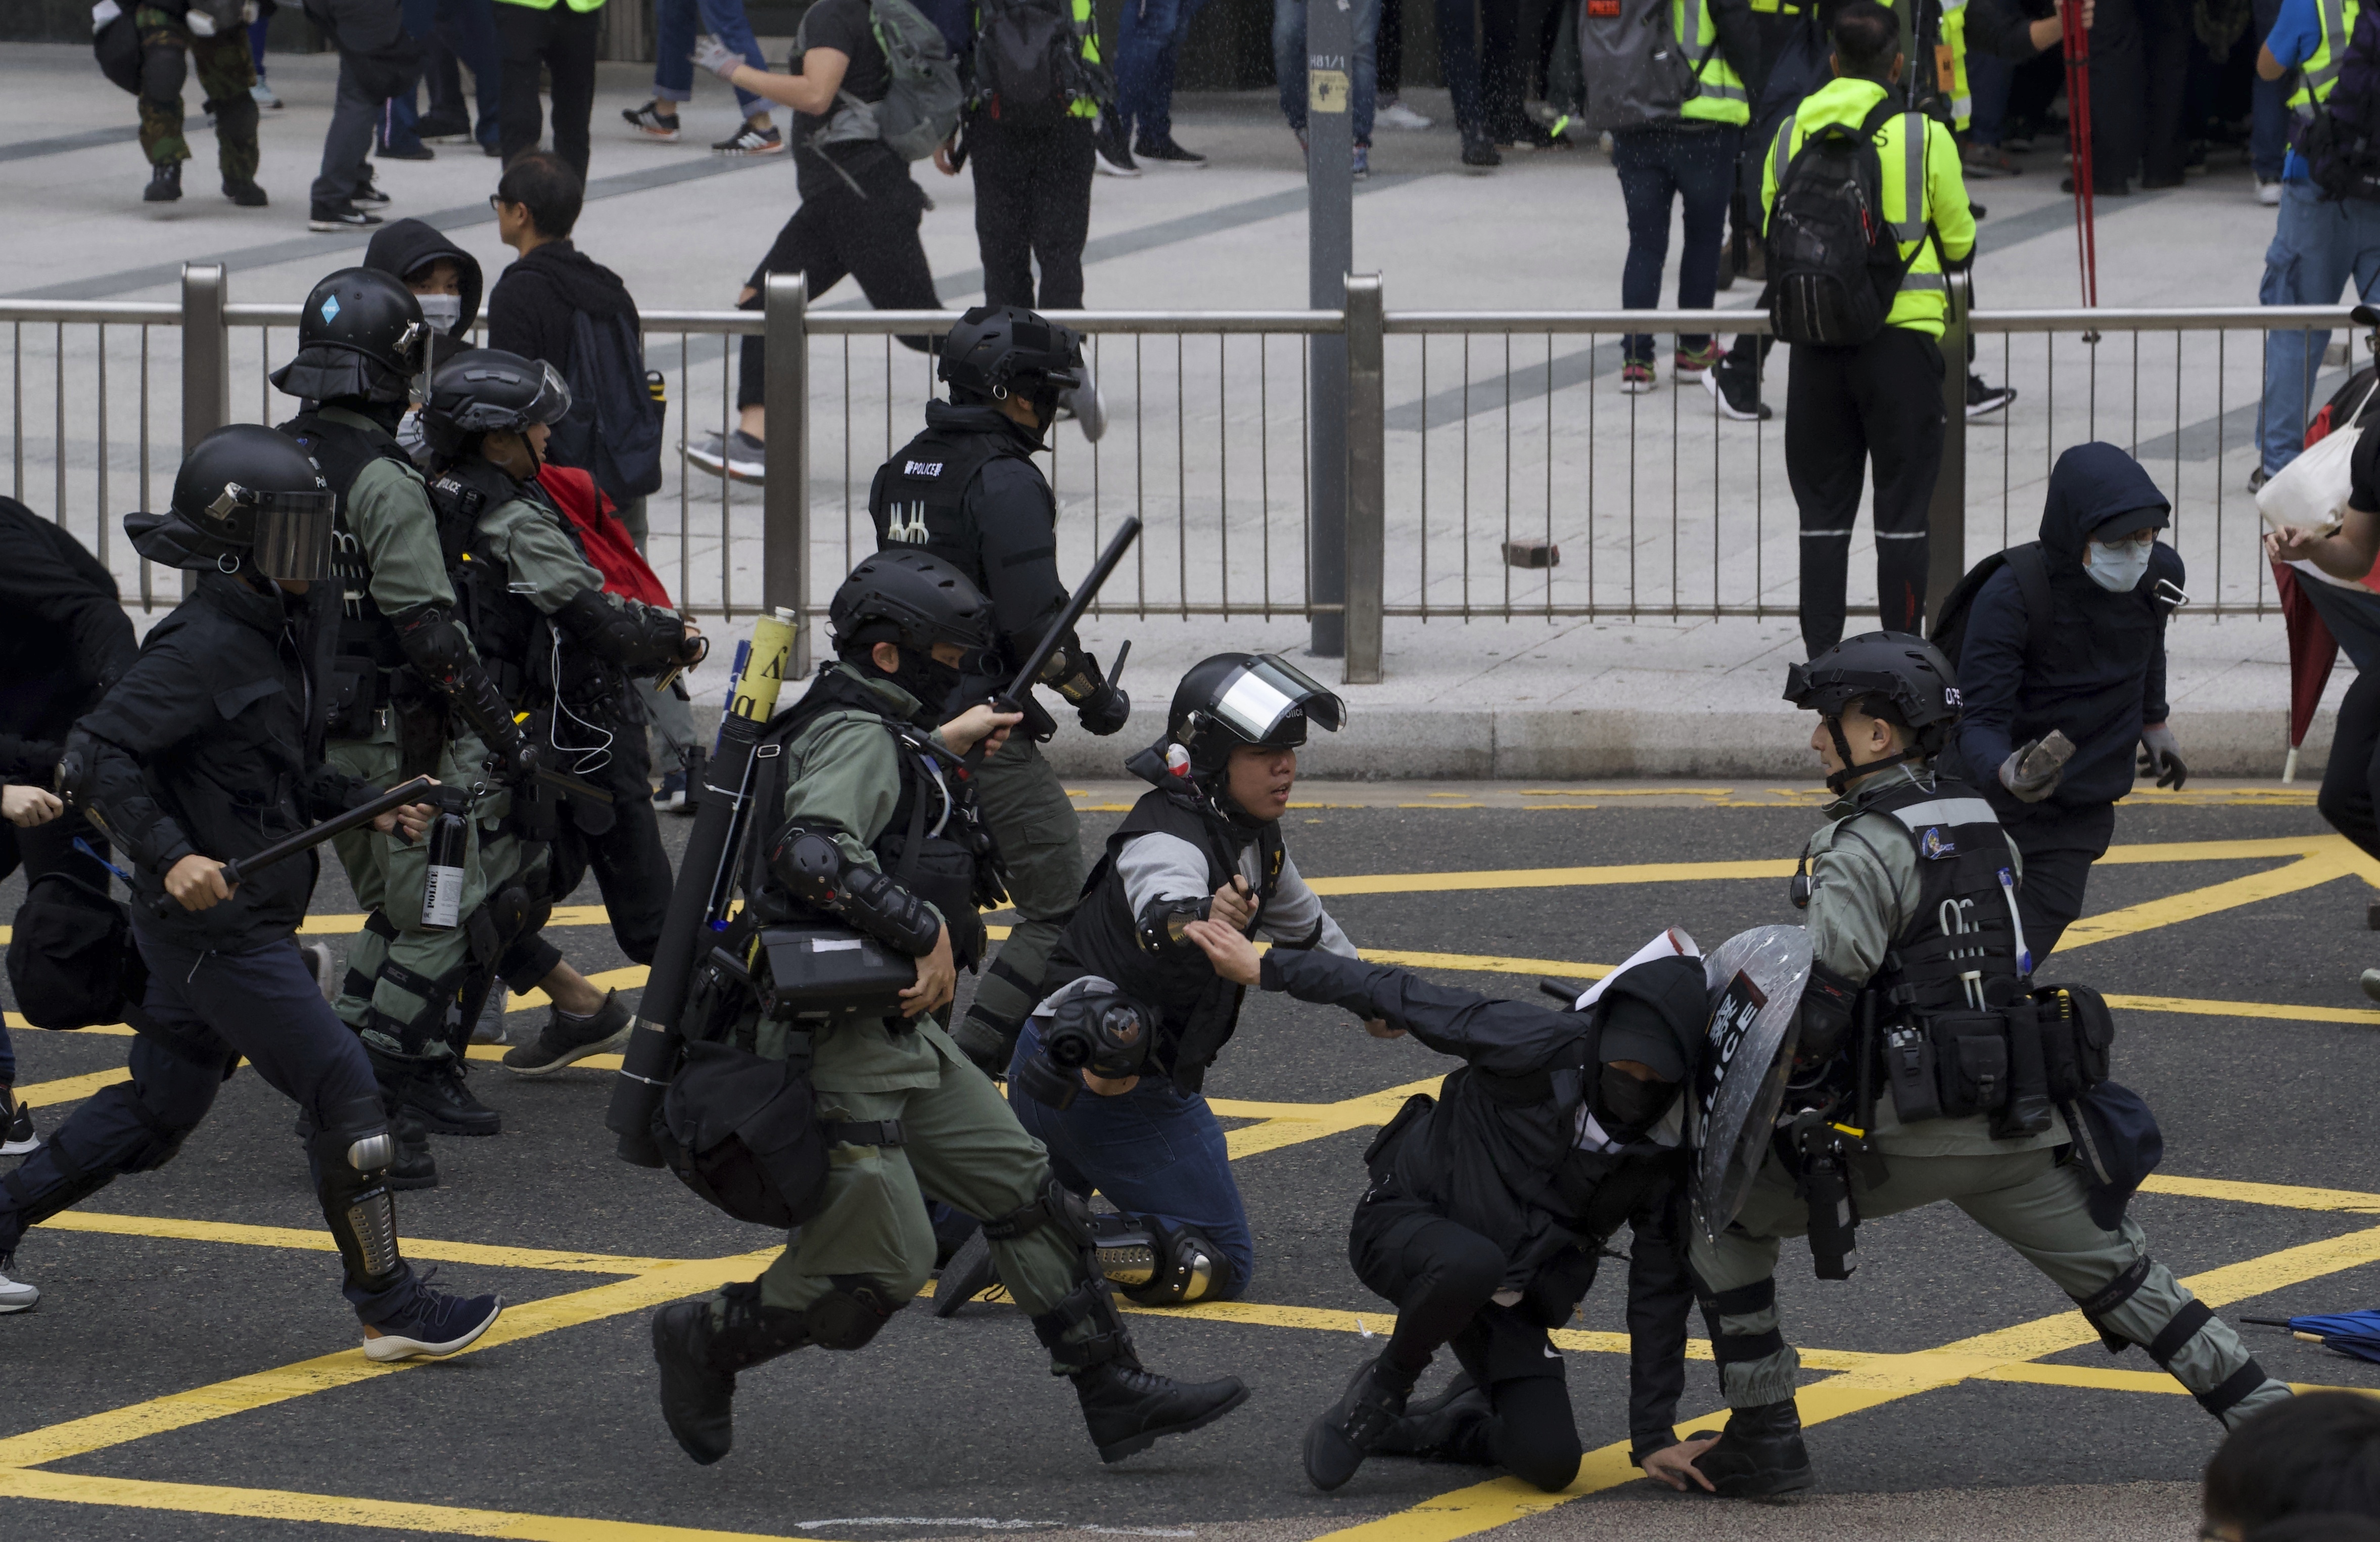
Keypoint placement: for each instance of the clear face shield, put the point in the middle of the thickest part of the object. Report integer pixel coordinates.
(1267, 690)
(292, 531)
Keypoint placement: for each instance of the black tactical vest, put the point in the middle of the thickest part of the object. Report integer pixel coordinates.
(1197, 1009)
(935, 845)
(341, 451)
(513, 638)
(919, 497)
(1960, 943)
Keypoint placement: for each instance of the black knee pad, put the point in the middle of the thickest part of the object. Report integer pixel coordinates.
(851, 1314)
(164, 68)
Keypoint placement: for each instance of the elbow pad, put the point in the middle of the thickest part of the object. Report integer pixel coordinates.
(434, 645)
(1828, 1002)
(1161, 922)
(812, 868)
(641, 640)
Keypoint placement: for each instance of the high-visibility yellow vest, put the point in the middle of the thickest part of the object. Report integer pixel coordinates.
(1719, 96)
(1952, 61)
(1912, 163)
(2318, 74)
(581, 6)
(1087, 28)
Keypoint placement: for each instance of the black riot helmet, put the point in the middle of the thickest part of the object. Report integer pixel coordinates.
(1000, 351)
(912, 600)
(1893, 675)
(246, 497)
(484, 390)
(359, 334)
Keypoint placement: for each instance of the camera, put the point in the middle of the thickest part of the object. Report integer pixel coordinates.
(1100, 1032)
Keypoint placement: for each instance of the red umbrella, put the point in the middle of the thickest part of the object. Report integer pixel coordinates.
(2312, 652)
(2078, 139)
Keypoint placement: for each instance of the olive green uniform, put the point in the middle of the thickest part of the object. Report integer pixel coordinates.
(2025, 1191)
(1041, 846)
(960, 1142)
(226, 72)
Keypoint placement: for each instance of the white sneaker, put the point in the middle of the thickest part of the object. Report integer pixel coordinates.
(734, 454)
(15, 1294)
(2267, 193)
(1396, 114)
(490, 1029)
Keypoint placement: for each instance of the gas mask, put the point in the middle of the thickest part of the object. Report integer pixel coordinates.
(1094, 1030)
(2118, 566)
(1627, 1108)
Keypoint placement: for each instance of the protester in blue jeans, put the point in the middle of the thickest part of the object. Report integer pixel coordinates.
(1289, 65)
(1689, 157)
(1129, 1120)
(1149, 46)
(454, 34)
(675, 22)
(2318, 245)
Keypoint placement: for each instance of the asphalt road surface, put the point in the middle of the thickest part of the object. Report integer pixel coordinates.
(192, 1371)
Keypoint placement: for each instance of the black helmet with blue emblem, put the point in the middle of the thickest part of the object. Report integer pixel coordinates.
(359, 335)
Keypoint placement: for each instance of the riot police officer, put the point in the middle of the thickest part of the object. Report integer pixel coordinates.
(1203, 843)
(861, 821)
(562, 652)
(408, 693)
(210, 747)
(1490, 1204)
(1926, 1069)
(968, 490)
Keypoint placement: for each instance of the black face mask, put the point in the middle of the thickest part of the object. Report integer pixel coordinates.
(1627, 1108)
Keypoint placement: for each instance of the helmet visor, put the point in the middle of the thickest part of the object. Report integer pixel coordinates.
(1265, 692)
(293, 535)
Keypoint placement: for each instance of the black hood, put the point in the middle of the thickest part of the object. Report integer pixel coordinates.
(583, 283)
(398, 249)
(2090, 484)
(976, 417)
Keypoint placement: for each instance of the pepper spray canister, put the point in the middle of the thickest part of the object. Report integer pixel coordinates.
(441, 892)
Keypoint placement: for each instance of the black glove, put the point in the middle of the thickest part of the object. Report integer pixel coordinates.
(1105, 711)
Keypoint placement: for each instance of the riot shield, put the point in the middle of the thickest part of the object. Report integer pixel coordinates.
(1755, 979)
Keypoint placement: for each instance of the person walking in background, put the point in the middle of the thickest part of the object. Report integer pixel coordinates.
(1150, 36)
(560, 37)
(1389, 72)
(674, 76)
(214, 34)
(377, 59)
(1289, 69)
(1881, 399)
(397, 137)
(463, 37)
(1690, 159)
(858, 216)
(257, 29)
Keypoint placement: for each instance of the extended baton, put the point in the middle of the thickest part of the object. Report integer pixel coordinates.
(1019, 690)
(240, 869)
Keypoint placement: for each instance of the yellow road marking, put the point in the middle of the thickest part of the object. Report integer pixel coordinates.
(2307, 872)
(1317, 1119)
(69, 1089)
(319, 1241)
(239, 1394)
(275, 1504)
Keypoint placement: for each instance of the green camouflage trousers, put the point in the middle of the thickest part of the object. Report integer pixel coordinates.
(226, 73)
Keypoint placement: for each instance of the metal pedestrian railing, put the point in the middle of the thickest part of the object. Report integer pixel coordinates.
(1497, 466)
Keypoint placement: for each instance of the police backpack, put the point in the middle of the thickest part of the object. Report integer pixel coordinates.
(1632, 70)
(1028, 62)
(71, 959)
(1834, 261)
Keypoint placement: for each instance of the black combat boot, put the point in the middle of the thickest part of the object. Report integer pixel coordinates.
(1450, 1427)
(1348, 1431)
(1128, 1408)
(1759, 1453)
(699, 1354)
(414, 1166)
(165, 183)
(437, 1092)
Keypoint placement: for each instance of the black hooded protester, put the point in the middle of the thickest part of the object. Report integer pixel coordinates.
(1491, 1203)
(210, 747)
(442, 276)
(2067, 636)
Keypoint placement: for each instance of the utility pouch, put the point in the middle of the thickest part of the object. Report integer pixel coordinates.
(743, 1132)
(1909, 1071)
(421, 735)
(2077, 1033)
(817, 970)
(2026, 1112)
(1971, 1061)
(355, 697)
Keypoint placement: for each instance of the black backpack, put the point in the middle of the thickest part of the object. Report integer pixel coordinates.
(1834, 265)
(1950, 629)
(1029, 61)
(71, 960)
(614, 428)
(2342, 144)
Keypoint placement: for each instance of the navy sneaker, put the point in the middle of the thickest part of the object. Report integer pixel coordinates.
(437, 1325)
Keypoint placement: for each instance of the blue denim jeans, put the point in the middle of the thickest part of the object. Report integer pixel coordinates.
(1289, 62)
(674, 50)
(1988, 78)
(1155, 1151)
(2268, 134)
(467, 30)
(1149, 46)
(2318, 247)
(1656, 164)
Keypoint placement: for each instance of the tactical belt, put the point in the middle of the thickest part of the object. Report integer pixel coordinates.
(863, 1132)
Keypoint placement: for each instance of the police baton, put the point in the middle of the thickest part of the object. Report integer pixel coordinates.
(1019, 690)
(240, 869)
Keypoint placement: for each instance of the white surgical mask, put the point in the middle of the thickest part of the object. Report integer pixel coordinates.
(443, 312)
(2118, 566)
